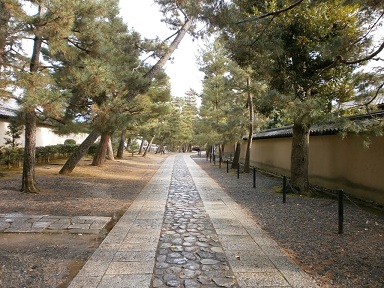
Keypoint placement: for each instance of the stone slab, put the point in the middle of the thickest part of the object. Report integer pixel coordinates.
(133, 256)
(85, 282)
(264, 279)
(132, 268)
(125, 281)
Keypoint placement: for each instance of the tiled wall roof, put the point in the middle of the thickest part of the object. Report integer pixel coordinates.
(326, 129)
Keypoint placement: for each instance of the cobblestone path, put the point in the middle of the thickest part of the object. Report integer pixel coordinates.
(189, 253)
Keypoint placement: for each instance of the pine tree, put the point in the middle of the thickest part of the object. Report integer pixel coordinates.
(47, 28)
(224, 97)
(299, 50)
(11, 36)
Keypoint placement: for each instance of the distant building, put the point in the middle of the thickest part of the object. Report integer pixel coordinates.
(375, 104)
(44, 133)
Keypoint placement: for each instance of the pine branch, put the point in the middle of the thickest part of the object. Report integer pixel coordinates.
(274, 13)
(77, 45)
(376, 94)
(369, 30)
(44, 118)
(368, 57)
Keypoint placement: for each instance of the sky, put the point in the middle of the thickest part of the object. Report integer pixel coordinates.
(144, 17)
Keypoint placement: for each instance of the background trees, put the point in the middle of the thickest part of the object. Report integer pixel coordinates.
(156, 106)
(223, 100)
(177, 128)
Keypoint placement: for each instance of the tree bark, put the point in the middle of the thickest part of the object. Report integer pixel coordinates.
(148, 147)
(101, 152)
(236, 156)
(300, 158)
(220, 154)
(141, 147)
(120, 150)
(109, 155)
(28, 183)
(74, 159)
(208, 152)
(175, 43)
(250, 130)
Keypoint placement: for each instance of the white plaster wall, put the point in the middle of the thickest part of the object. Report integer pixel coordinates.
(44, 136)
(3, 129)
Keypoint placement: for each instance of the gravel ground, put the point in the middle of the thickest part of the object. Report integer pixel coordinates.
(307, 229)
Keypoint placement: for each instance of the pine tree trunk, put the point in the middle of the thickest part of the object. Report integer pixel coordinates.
(28, 183)
(120, 150)
(101, 152)
(175, 43)
(247, 160)
(236, 157)
(148, 147)
(141, 147)
(79, 153)
(109, 154)
(248, 153)
(220, 154)
(208, 152)
(28, 179)
(300, 158)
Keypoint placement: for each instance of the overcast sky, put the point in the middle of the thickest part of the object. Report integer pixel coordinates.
(144, 17)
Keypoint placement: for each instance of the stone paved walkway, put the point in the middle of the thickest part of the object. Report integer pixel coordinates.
(22, 223)
(183, 230)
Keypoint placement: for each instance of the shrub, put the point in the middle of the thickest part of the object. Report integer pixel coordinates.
(70, 142)
(12, 157)
(92, 150)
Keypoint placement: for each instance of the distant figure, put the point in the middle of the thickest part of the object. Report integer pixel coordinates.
(197, 149)
(162, 149)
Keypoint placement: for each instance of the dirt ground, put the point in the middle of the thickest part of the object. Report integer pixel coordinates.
(52, 260)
